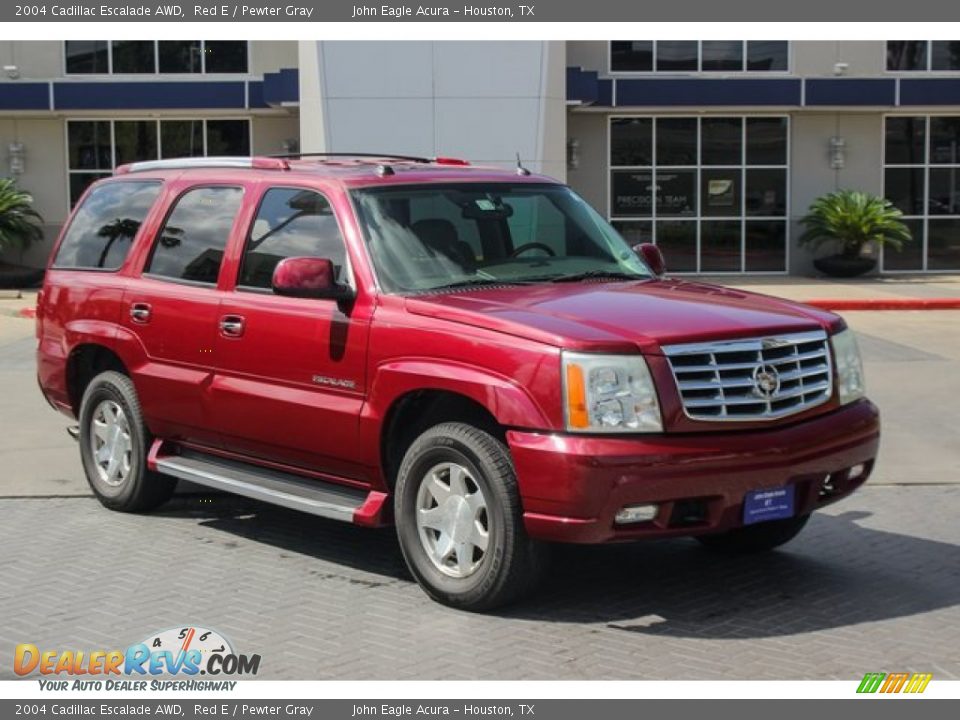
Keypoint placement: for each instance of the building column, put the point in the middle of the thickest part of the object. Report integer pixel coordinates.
(482, 101)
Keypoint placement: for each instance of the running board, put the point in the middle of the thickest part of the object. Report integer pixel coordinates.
(272, 486)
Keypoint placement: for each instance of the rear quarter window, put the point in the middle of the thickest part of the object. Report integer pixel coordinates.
(192, 242)
(103, 228)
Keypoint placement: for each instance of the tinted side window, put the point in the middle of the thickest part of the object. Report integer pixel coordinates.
(102, 230)
(191, 244)
(290, 223)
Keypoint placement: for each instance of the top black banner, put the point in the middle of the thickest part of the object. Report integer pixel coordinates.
(484, 11)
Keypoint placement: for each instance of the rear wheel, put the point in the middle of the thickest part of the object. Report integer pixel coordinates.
(756, 538)
(113, 447)
(459, 519)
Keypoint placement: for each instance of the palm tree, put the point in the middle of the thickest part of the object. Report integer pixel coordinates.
(20, 224)
(850, 220)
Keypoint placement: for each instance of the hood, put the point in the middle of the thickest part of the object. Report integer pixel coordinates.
(619, 316)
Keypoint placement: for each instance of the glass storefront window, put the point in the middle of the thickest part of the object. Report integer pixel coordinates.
(945, 55)
(710, 191)
(180, 56)
(631, 142)
(632, 193)
(922, 178)
(708, 56)
(133, 57)
(767, 55)
(677, 141)
(138, 57)
(225, 56)
(722, 141)
(181, 138)
(95, 147)
(721, 55)
(676, 56)
(923, 55)
(86, 56)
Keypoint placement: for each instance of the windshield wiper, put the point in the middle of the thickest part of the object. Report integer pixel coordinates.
(474, 282)
(588, 274)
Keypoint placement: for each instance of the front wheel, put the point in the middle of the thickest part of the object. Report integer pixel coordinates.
(756, 538)
(459, 519)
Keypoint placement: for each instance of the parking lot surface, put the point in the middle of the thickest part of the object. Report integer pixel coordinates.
(872, 584)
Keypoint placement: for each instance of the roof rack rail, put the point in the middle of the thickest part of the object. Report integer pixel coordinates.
(256, 162)
(379, 156)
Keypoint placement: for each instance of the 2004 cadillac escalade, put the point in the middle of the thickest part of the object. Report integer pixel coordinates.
(473, 354)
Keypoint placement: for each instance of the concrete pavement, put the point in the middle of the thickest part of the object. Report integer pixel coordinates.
(870, 584)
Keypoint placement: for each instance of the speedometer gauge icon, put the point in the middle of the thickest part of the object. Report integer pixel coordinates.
(190, 637)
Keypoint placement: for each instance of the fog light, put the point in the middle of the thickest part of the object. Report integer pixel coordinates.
(856, 471)
(636, 514)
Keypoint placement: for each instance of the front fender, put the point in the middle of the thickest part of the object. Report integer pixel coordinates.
(509, 403)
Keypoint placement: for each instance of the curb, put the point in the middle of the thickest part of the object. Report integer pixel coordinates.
(27, 313)
(885, 303)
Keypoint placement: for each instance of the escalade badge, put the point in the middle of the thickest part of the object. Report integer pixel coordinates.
(766, 381)
(333, 382)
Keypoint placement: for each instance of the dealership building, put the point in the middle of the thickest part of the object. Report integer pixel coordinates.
(711, 149)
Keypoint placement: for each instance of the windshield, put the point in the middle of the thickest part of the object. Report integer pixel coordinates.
(429, 237)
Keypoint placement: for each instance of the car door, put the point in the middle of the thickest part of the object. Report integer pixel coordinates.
(291, 377)
(172, 309)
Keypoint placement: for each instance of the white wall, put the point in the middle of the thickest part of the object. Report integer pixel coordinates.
(810, 171)
(484, 102)
(45, 177)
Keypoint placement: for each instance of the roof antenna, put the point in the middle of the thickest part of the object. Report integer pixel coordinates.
(521, 170)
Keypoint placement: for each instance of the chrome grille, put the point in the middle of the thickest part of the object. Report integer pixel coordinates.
(755, 379)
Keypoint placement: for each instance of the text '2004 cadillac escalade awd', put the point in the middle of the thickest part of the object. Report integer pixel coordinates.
(472, 354)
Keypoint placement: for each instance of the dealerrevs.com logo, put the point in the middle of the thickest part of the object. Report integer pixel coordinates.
(183, 651)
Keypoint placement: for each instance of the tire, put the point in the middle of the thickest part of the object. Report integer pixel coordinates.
(755, 538)
(110, 416)
(452, 470)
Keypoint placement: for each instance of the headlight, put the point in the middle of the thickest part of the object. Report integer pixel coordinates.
(609, 393)
(850, 384)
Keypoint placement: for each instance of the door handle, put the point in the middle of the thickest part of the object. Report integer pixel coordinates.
(231, 326)
(140, 312)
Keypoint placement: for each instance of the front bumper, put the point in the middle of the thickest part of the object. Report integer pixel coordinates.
(572, 486)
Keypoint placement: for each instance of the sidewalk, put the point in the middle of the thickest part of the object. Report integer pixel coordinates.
(18, 303)
(890, 292)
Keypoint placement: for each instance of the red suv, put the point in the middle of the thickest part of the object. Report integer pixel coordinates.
(470, 353)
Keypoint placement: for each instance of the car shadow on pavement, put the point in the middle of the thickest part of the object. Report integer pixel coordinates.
(371, 551)
(837, 573)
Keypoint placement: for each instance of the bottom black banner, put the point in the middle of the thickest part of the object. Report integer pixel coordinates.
(876, 708)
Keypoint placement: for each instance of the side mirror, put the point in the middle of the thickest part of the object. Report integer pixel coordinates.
(652, 256)
(308, 277)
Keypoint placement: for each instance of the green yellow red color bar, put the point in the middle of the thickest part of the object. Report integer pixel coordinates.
(894, 682)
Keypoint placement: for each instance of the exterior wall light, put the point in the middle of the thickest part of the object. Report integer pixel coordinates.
(573, 154)
(838, 152)
(17, 157)
(12, 71)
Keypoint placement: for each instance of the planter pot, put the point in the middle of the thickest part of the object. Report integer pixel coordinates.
(843, 266)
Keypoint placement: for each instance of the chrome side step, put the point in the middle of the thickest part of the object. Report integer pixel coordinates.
(272, 486)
